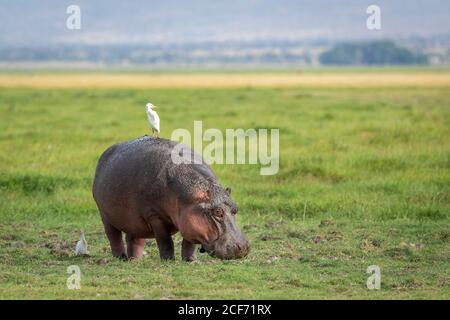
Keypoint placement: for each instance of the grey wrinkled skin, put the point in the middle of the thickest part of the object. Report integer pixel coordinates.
(141, 192)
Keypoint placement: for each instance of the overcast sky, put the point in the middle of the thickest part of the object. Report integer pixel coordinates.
(43, 22)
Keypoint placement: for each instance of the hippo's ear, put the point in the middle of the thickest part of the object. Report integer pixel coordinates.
(200, 196)
(228, 190)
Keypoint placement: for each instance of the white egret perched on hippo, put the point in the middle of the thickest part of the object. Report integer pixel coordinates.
(153, 118)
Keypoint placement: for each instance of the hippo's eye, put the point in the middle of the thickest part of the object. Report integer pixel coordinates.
(218, 212)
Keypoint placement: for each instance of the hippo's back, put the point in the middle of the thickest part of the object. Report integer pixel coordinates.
(125, 169)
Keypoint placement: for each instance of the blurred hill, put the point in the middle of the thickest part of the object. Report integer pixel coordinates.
(232, 54)
(212, 33)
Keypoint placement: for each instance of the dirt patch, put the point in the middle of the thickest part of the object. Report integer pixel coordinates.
(102, 261)
(401, 253)
(275, 224)
(249, 226)
(334, 236)
(408, 284)
(17, 244)
(47, 234)
(272, 259)
(410, 245)
(270, 238)
(326, 223)
(9, 237)
(443, 235)
(297, 235)
(60, 248)
(369, 244)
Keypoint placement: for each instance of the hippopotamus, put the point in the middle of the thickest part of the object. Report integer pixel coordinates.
(140, 191)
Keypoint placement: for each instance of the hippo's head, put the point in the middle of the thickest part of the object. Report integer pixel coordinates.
(211, 222)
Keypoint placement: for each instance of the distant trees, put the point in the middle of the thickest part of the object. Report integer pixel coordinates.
(371, 53)
(257, 53)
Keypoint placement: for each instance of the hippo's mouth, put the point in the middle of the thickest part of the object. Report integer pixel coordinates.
(224, 255)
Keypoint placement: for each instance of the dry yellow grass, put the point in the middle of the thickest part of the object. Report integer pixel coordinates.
(223, 80)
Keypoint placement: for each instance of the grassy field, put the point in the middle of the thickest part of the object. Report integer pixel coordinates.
(364, 180)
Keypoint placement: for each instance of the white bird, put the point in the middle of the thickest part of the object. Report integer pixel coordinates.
(153, 118)
(81, 247)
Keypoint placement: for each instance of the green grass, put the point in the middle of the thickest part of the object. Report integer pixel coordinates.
(364, 173)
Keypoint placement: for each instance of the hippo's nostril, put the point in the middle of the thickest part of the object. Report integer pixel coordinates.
(245, 250)
(241, 250)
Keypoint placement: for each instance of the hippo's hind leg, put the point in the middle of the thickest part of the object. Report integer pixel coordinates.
(135, 247)
(115, 240)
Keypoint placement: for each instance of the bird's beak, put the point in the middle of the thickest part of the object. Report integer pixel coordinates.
(154, 107)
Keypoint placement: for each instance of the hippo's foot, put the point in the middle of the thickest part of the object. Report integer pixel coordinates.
(121, 256)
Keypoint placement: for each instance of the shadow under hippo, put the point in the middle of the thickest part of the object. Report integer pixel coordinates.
(140, 191)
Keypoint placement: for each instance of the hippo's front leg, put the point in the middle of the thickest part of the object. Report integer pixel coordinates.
(163, 239)
(188, 251)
